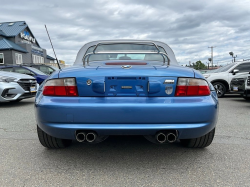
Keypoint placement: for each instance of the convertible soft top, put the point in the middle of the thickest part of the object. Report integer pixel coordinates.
(82, 51)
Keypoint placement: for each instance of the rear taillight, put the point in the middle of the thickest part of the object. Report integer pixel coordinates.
(61, 87)
(192, 87)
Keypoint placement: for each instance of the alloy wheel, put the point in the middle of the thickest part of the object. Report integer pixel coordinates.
(220, 89)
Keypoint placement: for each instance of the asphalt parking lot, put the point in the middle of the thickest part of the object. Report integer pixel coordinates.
(125, 161)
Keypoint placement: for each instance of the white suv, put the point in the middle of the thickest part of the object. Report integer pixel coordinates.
(222, 77)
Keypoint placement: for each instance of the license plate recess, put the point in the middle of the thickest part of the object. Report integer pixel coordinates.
(126, 86)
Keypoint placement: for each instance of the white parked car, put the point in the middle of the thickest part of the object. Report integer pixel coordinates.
(222, 77)
(15, 87)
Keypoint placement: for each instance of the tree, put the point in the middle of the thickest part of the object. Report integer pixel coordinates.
(199, 65)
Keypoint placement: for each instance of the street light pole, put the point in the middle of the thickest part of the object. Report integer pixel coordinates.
(232, 54)
(212, 58)
(209, 59)
(207, 65)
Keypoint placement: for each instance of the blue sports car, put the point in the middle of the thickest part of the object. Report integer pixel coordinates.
(126, 87)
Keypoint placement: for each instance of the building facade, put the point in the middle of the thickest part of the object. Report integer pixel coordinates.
(18, 45)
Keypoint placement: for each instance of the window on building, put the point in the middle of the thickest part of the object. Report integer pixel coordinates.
(1, 58)
(33, 58)
(37, 59)
(19, 58)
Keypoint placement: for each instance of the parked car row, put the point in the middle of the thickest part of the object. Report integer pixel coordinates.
(15, 86)
(21, 82)
(40, 76)
(230, 78)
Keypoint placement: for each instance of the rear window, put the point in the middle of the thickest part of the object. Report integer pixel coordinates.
(224, 68)
(125, 52)
(125, 47)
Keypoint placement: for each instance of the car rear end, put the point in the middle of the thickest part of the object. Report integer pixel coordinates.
(126, 105)
(127, 93)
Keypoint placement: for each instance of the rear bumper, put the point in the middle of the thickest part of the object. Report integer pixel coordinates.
(191, 116)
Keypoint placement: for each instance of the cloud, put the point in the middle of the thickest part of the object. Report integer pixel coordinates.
(189, 27)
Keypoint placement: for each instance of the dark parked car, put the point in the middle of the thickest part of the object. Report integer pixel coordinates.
(40, 76)
(240, 84)
(48, 70)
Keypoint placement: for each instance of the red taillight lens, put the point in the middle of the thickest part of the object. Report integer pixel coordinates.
(61, 87)
(192, 87)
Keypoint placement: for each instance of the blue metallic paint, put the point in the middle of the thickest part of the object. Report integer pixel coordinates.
(62, 116)
(191, 116)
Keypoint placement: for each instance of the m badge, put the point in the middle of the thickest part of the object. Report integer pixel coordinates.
(168, 90)
(167, 81)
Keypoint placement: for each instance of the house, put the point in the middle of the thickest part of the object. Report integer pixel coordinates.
(18, 45)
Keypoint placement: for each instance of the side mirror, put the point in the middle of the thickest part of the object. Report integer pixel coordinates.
(235, 71)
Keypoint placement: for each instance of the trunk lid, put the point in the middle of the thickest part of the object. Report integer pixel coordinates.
(113, 81)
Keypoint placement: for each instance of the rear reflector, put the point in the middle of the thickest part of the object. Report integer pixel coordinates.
(192, 87)
(60, 87)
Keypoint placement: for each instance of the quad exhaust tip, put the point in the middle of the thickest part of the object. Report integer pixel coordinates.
(168, 137)
(80, 137)
(161, 137)
(90, 137)
(171, 137)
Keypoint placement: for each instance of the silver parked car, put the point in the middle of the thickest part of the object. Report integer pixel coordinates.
(15, 86)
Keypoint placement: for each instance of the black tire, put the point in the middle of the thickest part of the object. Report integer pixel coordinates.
(247, 98)
(220, 89)
(200, 142)
(52, 142)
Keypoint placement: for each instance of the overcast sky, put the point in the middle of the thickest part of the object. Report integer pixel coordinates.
(188, 27)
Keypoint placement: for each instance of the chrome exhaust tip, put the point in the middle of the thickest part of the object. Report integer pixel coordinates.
(161, 137)
(80, 137)
(171, 137)
(90, 137)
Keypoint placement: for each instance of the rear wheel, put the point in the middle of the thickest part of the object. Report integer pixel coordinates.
(220, 89)
(247, 98)
(50, 141)
(200, 142)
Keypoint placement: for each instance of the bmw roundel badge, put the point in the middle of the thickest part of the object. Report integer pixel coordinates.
(126, 66)
(168, 90)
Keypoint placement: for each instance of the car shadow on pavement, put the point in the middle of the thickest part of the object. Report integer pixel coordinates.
(125, 152)
(14, 104)
(231, 96)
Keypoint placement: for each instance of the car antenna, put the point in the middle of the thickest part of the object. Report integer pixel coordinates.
(53, 48)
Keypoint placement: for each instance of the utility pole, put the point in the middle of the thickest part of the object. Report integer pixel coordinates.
(212, 60)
